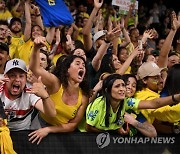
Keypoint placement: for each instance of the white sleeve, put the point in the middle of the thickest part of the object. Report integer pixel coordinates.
(33, 99)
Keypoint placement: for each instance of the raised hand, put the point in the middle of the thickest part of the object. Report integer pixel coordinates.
(148, 33)
(35, 9)
(175, 21)
(70, 31)
(31, 78)
(39, 89)
(98, 3)
(39, 42)
(136, 51)
(132, 6)
(2, 80)
(112, 34)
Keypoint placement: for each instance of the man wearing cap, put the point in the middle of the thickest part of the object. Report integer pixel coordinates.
(16, 37)
(18, 100)
(150, 76)
(4, 57)
(150, 79)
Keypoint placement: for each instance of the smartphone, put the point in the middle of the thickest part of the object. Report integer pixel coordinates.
(140, 44)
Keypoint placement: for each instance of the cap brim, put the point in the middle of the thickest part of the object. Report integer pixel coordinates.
(13, 68)
(156, 72)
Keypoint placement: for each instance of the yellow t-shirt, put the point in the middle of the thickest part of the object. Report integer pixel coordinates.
(130, 47)
(15, 46)
(26, 50)
(167, 113)
(16, 14)
(147, 94)
(128, 71)
(6, 15)
(80, 36)
(64, 112)
(86, 15)
(55, 58)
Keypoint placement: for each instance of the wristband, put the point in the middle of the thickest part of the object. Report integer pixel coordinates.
(106, 41)
(174, 100)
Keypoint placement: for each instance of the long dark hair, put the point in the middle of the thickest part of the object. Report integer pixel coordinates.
(106, 93)
(59, 66)
(107, 66)
(172, 84)
(61, 72)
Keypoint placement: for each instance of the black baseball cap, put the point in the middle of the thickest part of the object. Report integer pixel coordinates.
(13, 20)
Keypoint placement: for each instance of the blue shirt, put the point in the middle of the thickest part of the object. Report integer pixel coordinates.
(54, 13)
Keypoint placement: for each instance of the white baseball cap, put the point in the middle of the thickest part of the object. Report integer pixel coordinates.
(15, 63)
(149, 69)
(99, 34)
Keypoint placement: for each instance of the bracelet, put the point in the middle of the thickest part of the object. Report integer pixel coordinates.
(45, 98)
(174, 100)
(106, 41)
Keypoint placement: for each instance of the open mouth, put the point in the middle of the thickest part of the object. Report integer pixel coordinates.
(15, 88)
(81, 74)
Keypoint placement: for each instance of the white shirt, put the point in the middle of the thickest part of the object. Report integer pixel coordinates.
(19, 110)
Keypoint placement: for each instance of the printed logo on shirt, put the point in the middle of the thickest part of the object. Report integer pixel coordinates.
(11, 115)
(92, 115)
(74, 113)
(51, 2)
(130, 102)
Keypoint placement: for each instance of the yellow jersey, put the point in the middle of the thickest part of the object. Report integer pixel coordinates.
(56, 57)
(147, 94)
(15, 46)
(167, 113)
(26, 50)
(6, 15)
(80, 36)
(64, 112)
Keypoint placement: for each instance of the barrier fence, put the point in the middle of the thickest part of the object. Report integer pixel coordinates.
(92, 143)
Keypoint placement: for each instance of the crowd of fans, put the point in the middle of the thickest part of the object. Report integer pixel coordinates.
(106, 72)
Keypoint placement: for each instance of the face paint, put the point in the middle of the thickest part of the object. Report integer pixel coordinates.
(155, 82)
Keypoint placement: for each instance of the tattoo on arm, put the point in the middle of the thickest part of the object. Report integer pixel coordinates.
(142, 126)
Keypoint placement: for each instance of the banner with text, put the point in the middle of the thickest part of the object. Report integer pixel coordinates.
(124, 5)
